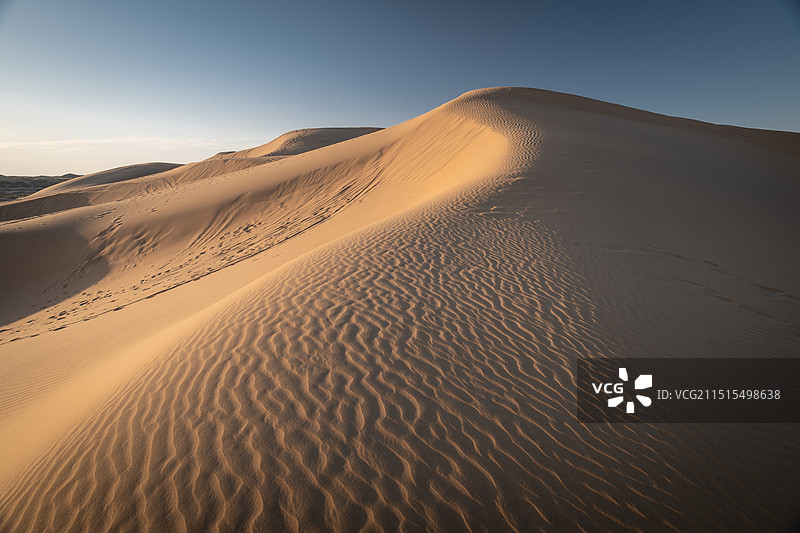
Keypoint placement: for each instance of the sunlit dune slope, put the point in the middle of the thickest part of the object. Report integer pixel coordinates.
(380, 333)
(146, 235)
(299, 141)
(132, 180)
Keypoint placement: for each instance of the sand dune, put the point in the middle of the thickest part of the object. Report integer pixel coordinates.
(350, 329)
(108, 176)
(300, 141)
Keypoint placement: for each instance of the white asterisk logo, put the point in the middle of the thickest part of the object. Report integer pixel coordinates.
(644, 381)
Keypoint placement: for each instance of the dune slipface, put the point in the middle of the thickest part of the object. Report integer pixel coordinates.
(353, 329)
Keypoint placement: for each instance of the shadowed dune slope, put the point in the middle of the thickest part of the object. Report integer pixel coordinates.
(382, 332)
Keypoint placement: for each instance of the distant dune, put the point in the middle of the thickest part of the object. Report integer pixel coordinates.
(355, 328)
(108, 176)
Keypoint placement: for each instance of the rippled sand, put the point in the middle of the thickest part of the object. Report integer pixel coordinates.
(356, 329)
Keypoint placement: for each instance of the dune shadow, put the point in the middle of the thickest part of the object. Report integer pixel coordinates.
(31, 207)
(43, 267)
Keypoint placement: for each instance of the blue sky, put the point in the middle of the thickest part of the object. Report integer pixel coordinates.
(90, 84)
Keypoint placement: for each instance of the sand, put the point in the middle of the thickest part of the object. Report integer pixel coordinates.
(356, 328)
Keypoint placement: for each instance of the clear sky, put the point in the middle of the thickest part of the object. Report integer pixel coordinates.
(92, 84)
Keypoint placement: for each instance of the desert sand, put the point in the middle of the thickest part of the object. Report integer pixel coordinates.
(376, 329)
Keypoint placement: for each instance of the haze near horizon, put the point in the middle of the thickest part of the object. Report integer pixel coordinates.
(93, 85)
